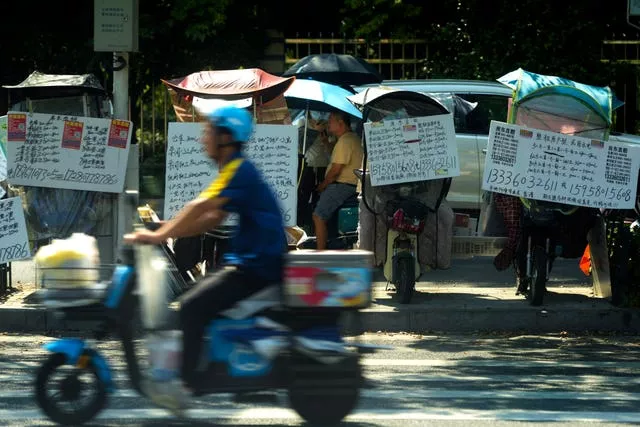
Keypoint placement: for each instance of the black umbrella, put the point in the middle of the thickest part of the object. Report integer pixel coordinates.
(337, 69)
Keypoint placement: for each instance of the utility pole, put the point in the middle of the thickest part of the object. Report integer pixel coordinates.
(116, 30)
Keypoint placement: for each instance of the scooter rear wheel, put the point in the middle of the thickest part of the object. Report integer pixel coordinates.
(324, 393)
(68, 390)
(539, 276)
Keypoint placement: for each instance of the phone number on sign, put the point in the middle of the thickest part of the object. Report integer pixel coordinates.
(529, 182)
(18, 251)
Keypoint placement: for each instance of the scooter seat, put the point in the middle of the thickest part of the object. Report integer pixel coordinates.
(267, 298)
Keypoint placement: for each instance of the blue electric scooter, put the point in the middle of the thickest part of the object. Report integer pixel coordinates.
(260, 344)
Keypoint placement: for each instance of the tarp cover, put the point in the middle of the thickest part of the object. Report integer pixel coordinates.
(231, 84)
(41, 80)
(527, 85)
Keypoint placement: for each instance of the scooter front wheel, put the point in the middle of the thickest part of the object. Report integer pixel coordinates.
(539, 275)
(406, 280)
(61, 398)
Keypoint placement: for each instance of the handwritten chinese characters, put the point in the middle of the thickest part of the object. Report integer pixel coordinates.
(273, 148)
(188, 169)
(94, 147)
(414, 149)
(14, 244)
(78, 153)
(560, 168)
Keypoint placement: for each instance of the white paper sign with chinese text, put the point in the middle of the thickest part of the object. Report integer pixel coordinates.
(549, 166)
(414, 149)
(273, 148)
(14, 243)
(77, 153)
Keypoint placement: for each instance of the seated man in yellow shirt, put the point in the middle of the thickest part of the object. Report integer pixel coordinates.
(340, 182)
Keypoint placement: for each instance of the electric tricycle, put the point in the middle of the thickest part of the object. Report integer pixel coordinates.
(551, 229)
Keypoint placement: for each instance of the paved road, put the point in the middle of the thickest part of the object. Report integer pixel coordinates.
(425, 380)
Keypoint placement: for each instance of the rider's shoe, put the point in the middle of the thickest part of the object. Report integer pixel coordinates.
(170, 395)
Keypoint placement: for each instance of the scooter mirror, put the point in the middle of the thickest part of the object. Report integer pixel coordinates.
(359, 173)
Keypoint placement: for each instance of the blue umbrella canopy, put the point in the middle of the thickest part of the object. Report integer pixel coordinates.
(319, 96)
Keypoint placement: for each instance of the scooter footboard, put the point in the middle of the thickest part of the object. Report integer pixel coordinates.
(74, 349)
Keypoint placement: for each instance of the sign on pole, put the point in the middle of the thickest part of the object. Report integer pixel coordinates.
(115, 25)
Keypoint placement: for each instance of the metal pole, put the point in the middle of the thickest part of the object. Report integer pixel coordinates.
(304, 142)
(166, 125)
(123, 214)
(306, 124)
(153, 117)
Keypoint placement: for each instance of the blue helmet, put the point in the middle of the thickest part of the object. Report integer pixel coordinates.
(237, 120)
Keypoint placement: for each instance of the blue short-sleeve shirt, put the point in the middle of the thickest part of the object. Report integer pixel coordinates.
(260, 242)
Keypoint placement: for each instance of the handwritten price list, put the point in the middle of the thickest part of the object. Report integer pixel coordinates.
(561, 168)
(273, 148)
(14, 244)
(272, 153)
(77, 153)
(409, 150)
(188, 169)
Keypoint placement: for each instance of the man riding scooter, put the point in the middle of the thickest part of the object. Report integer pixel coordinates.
(256, 251)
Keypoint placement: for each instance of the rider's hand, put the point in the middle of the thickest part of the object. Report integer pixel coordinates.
(144, 236)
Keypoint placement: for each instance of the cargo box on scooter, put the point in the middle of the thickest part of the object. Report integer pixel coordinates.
(328, 279)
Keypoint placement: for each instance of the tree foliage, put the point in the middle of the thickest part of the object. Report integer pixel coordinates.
(467, 38)
(483, 39)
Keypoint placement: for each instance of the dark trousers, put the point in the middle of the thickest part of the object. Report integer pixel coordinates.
(204, 302)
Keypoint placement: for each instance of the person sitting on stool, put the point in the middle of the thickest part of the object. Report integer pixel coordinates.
(339, 182)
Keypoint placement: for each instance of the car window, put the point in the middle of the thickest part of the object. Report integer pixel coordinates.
(490, 107)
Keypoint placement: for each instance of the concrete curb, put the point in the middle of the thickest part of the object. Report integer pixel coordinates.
(520, 317)
(470, 296)
(526, 319)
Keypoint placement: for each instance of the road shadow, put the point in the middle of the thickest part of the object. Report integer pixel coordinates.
(420, 299)
(480, 272)
(207, 423)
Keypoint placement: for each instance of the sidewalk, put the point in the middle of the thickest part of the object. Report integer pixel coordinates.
(470, 296)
